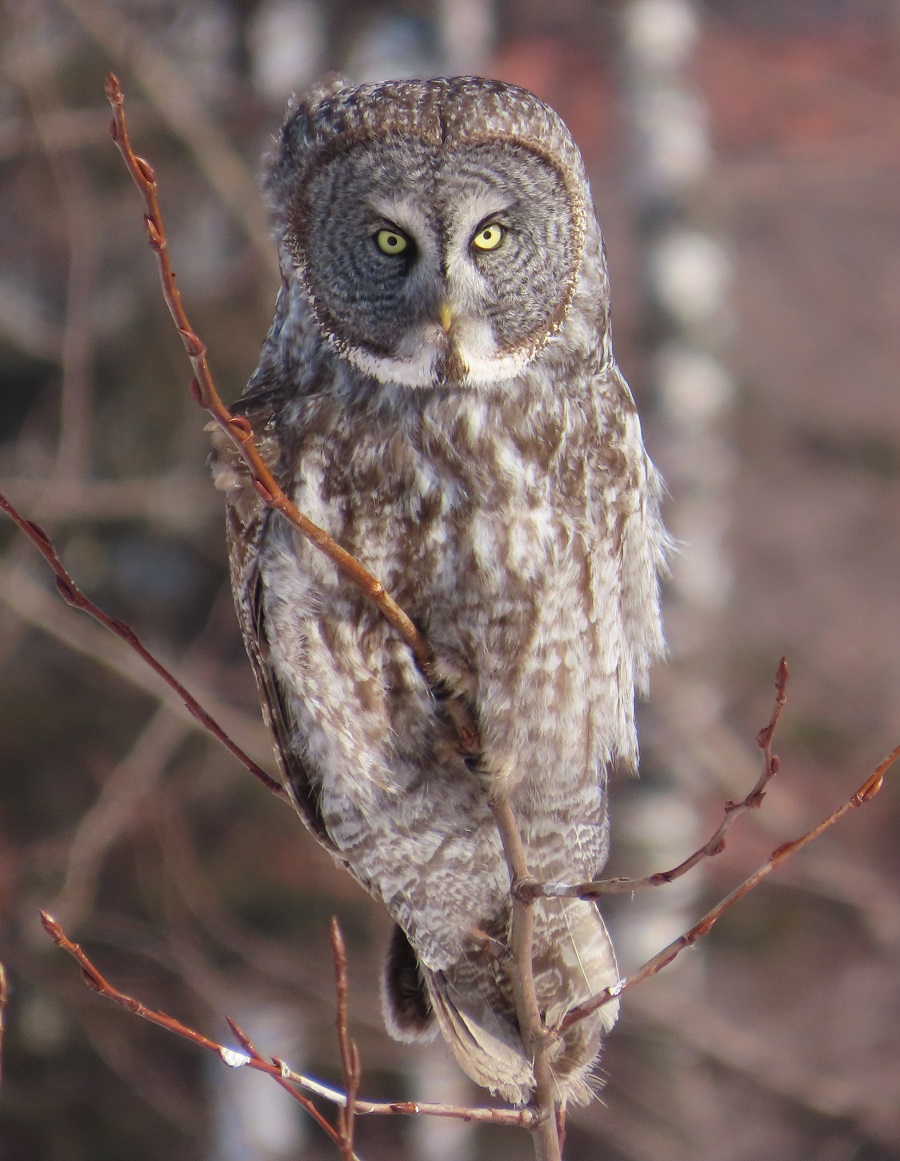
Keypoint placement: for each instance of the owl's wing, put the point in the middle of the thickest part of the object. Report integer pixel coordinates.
(248, 521)
(628, 498)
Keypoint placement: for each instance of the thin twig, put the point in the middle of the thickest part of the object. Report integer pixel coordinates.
(733, 810)
(276, 1068)
(239, 431)
(535, 1037)
(349, 1051)
(72, 595)
(867, 791)
(99, 984)
(4, 999)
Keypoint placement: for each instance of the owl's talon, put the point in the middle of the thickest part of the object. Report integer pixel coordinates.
(475, 764)
(494, 947)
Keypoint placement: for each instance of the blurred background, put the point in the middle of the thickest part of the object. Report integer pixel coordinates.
(745, 157)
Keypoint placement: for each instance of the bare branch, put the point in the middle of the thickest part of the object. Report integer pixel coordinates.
(291, 1081)
(72, 595)
(535, 1036)
(4, 998)
(276, 1070)
(716, 844)
(349, 1051)
(867, 791)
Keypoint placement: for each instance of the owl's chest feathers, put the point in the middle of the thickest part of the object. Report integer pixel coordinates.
(437, 490)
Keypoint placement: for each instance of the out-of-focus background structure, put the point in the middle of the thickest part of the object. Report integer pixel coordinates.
(745, 159)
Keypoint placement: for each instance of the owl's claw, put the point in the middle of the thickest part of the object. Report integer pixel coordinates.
(494, 947)
(477, 765)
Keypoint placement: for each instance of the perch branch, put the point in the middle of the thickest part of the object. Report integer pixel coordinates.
(239, 431)
(867, 791)
(274, 1067)
(349, 1052)
(72, 595)
(4, 997)
(733, 810)
(535, 1037)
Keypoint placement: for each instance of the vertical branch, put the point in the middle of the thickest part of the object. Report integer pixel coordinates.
(4, 997)
(346, 1115)
(34, 64)
(535, 1037)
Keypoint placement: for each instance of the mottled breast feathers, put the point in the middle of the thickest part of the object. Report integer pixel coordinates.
(438, 392)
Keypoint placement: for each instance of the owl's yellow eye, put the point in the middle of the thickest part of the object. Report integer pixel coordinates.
(488, 237)
(391, 242)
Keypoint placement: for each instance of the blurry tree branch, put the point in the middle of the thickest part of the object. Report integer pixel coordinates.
(32, 603)
(165, 85)
(73, 596)
(174, 500)
(716, 844)
(38, 82)
(766, 1064)
(292, 1081)
(4, 997)
(864, 794)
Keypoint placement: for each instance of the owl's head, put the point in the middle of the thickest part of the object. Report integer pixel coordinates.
(436, 227)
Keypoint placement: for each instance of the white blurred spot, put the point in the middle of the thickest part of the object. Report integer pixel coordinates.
(690, 273)
(694, 387)
(233, 1058)
(287, 44)
(660, 33)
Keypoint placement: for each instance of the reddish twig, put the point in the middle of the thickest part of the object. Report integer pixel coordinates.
(715, 845)
(535, 1037)
(4, 998)
(276, 1069)
(72, 595)
(99, 984)
(349, 1052)
(239, 431)
(867, 791)
(249, 1056)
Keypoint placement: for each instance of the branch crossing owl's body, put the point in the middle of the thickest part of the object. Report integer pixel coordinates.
(438, 391)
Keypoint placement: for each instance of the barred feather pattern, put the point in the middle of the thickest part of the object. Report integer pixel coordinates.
(516, 519)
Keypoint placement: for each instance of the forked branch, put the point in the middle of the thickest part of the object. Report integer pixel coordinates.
(293, 1082)
(771, 764)
(866, 792)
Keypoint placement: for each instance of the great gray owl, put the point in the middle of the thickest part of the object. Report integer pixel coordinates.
(438, 391)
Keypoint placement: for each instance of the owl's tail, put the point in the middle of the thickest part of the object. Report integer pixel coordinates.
(472, 1003)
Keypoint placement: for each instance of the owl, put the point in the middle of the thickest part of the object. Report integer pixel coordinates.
(438, 391)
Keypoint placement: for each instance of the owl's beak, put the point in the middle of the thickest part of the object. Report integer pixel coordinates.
(445, 317)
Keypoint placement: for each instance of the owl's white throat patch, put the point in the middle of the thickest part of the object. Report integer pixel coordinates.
(470, 358)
